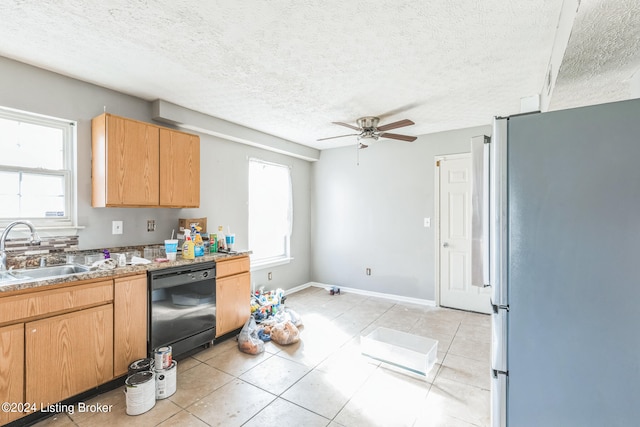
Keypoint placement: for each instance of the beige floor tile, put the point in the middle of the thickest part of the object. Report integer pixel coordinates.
(188, 363)
(276, 374)
(283, 413)
(162, 411)
(451, 399)
(473, 349)
(441, 420)
(196, 383)
(349, 361)
(114, 398)
(183, 419)
(320, 392)
(324, 379)
(235, 362)
(475, 332)
(57, 420)
(467, 371)
(232, 404)
(386, 399)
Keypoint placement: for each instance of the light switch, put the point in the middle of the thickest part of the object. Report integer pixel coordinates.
(427, 222)
(116, 227)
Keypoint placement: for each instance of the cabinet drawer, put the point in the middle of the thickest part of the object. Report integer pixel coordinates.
(232, 266)
(41, 303)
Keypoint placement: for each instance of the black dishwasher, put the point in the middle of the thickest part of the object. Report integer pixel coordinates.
(182, 307)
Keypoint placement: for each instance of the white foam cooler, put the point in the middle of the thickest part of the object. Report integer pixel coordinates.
(412, 352)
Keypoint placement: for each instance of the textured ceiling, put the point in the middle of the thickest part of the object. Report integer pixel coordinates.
(291, 68)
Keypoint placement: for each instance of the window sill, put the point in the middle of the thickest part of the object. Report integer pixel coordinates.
(261, 265)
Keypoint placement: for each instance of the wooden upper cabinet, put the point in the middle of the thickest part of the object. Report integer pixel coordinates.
(137, 164)
(179, 169)
(125, 162)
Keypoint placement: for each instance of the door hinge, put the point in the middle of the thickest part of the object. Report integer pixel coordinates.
(438, 163)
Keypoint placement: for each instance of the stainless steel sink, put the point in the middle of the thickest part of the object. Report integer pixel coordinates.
(42, 272)
(6, 278)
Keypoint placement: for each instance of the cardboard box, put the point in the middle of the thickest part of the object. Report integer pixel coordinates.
(188, 222)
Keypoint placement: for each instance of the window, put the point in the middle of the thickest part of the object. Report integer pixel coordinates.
(270, 212)
(36, 169)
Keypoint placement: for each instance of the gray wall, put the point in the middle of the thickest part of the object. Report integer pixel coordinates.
(371, 215)
(224, 188)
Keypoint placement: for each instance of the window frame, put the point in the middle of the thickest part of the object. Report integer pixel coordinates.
(267, 262)
(68, 172)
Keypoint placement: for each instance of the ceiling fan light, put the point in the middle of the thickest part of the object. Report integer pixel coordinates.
(367, 138)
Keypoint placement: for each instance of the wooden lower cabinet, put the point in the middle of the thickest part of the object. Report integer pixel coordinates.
(129, 322)
(11, 370)
(232, 302)
(68, 354)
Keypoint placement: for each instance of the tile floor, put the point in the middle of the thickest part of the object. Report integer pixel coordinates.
(324, 380)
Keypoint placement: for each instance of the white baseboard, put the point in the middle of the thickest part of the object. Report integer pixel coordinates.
(393, 297)
(298, 288)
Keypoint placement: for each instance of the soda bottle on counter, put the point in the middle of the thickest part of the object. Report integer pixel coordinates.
(213, 243)
(222, 245)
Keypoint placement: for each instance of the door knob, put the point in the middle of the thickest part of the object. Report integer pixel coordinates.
(445, 245)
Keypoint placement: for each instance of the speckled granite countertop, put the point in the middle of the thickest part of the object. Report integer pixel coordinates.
(9, 287)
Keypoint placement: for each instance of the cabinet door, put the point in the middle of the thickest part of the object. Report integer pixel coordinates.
(179, 169)
(68, 354)
(11, 369)
(129, 322)
(132, 161)
(232, 302)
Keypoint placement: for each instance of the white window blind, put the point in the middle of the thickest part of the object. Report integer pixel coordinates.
(270, 212)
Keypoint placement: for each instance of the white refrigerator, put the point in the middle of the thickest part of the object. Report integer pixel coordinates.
(563, 222)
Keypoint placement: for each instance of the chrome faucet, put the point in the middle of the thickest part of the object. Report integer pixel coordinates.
(34, 240)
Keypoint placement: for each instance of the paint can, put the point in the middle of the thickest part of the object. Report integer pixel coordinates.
(162, 357)
(141, 365)
(140, 390)
(166, 381)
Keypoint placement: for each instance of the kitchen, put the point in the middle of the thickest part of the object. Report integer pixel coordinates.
(319, 254)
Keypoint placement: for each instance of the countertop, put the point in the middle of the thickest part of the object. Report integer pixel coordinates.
(9, 288)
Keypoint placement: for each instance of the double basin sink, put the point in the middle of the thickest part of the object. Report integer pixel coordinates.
(27, 274)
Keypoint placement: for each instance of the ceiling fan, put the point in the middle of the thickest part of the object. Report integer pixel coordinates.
(370, 131)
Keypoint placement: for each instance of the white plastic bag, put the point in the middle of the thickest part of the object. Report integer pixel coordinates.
(248, 341)
(285, 333)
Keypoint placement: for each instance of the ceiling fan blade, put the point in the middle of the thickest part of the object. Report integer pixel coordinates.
(347, 125)
(395, 125)
(397, 136)
(334, 137)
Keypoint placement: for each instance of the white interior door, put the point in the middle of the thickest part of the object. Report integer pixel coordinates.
(456, 290)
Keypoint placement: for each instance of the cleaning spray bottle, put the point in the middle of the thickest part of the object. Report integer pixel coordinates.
(188, 248)
(198, 243)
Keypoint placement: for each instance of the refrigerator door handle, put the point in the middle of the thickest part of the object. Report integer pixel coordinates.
(486, 212)
(499, 385)
(499, 339)
(498, 212)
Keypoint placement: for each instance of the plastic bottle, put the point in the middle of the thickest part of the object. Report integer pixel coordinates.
(222, 245)
(213, 243)
(198, 249)
(188, 248)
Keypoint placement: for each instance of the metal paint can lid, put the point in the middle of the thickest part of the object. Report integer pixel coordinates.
(139, 378)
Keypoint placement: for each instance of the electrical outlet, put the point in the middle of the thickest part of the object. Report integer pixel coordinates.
(269, 275)
(368, 271)
(116, 227)
(427, 222)
(151, 225)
